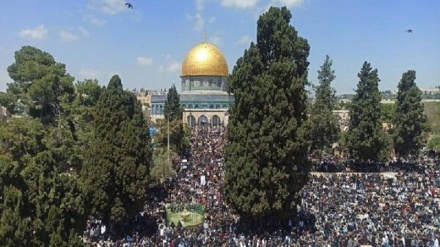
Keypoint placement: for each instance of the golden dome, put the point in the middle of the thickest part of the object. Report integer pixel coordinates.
(204, 60)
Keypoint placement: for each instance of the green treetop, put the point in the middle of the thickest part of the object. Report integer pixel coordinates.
(172, 109)
(41, 86)
(117, 163)
(365, 138)
(324, 123)
(266, 153)
(410, 121)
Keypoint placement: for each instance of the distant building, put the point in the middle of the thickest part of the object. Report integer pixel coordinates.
(203, 96)
(145, 101)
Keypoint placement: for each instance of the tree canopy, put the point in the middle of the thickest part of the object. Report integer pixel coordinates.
(42, 201)
(48, 205)
(410, 121)
(266, 154)
(172, 108)
(366, 139)
(41, 86)
(117, 163)
(324, 124)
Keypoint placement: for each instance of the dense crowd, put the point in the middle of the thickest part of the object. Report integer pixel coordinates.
(386, 205)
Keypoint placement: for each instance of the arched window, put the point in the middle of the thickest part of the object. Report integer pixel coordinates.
(215, 120)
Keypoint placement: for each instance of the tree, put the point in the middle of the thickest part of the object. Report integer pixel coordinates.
(434, 143)
(162, 168)
(324, 124)
(47, 203)
(410, 121)
(266, 161)
(365, 138)
(13, 209)
(179, 138)
(21, 139)
(56, 202)
(42, 151)
(40, 83)
(387, 112)
(172, 110)
(117, 163)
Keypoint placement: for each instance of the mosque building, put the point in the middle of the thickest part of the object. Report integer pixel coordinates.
(204, 97)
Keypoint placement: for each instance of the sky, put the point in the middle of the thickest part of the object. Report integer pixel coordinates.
(146, 45)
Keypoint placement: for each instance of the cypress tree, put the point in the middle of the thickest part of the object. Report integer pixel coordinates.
(179, 135)
(409, 120)
(172, 109)
(116, 165)
(266, 154)
(365, 138)
(324, 123)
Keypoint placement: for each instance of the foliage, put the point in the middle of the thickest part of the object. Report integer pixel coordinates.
(162, 166)
(39, 205)
(40, 84)
(434, 143)
(117, 163)
(266, 154)
(387, 112)
(432, 111)
(324, 124)
(172, 109)
(410, 121)
(42, 202)
(342, 105)
(179, 136)
(365, 138)
(21, 139)
(179, 132)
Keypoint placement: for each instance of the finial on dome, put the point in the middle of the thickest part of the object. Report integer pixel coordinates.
(204, 37)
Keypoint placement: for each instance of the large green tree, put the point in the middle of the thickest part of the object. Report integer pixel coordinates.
(266, 153)
(48, 203)
(41, 85)
(410, 121)
(366, 139)
(324, 124)
(41, 152)
(117, 163)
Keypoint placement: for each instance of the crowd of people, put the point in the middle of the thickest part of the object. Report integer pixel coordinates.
(389, 206)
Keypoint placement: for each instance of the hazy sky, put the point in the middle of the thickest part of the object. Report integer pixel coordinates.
(146, 45)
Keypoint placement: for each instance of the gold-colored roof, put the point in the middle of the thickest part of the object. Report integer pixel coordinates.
(204, 60)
